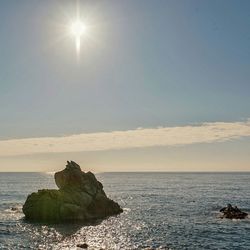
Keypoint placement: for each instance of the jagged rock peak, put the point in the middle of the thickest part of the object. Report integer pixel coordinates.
(72, 165)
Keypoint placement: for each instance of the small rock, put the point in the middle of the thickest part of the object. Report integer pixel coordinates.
(84, 245)
(231, 212)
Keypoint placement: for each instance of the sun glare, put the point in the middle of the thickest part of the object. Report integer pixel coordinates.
(78, 29)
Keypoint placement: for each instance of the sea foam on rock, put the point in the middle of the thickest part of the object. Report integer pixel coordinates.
(80, 197)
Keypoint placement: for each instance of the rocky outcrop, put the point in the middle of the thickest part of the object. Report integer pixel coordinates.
(80, 197)
(231, 212)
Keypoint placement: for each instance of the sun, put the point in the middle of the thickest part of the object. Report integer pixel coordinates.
(78, 29)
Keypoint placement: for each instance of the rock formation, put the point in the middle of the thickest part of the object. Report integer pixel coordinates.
(231, 212)
(80, 197)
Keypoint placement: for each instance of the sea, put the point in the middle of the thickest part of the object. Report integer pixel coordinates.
(161, 211)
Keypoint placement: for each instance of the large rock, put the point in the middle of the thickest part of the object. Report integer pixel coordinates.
(80, 197)
(231, 212)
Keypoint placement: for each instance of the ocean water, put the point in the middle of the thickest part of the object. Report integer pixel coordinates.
(161, 211)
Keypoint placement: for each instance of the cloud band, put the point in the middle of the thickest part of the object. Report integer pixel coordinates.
(138, 138)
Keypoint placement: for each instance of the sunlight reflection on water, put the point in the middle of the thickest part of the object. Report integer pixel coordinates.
(161, 211)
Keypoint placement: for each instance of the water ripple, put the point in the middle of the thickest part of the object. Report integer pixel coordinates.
(161, 211)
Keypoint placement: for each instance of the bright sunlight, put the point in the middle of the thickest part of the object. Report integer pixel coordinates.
(78, 28)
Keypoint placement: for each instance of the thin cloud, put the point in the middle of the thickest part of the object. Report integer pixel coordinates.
(138, 138)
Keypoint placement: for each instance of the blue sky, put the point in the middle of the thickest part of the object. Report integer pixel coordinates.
(146, 64)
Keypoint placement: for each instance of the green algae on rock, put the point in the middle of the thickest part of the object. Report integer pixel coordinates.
(80, 197)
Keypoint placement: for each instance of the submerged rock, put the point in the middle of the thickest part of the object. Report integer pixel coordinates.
(231, 212)
(84, 245)
(80, 197)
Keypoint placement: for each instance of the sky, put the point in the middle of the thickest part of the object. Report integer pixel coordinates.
(156, 86)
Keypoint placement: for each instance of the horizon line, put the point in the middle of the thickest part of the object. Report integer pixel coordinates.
(149, 171)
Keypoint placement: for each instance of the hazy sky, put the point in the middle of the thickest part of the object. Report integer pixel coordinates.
(157, 86)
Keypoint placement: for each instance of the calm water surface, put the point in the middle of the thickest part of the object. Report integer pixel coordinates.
(161, 211)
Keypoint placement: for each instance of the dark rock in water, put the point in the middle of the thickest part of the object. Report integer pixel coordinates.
(80, 197)
(231, 212)
(84, 245)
